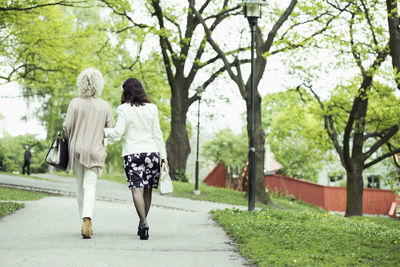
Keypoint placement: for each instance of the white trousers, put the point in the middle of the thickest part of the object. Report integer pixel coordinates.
(85, 189)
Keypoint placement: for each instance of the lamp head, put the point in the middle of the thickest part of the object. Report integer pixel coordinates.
(252, 8)
(199, 91)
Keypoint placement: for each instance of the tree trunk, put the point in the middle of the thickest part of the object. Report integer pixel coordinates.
(355, 187)
(259, 144)
(394, 33)
(178, 147)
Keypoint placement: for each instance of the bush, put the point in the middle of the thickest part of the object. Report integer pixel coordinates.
(180, 175)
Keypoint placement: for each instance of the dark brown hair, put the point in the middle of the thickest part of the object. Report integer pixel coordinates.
(134, 93)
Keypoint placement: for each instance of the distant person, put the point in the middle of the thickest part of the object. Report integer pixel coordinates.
(27, 161)
(142, 149)
(86, 118)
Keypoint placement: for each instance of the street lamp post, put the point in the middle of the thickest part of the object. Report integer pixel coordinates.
(252, 11)
(199, 91)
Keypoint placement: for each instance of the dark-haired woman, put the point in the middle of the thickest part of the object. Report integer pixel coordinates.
(143, 147)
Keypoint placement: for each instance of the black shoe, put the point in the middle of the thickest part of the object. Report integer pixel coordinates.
(139, 229)
(144, 234)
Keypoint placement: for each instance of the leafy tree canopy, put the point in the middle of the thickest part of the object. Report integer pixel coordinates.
(228, 149)
(295, 134)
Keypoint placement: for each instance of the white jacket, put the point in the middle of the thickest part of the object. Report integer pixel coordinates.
(141, 127)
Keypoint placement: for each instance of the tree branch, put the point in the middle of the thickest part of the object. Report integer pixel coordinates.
(59, 3)
(213, 76)
(386, 135)
(271, 35)
(196, 66)
(177, 26)
(382, 157)
(369, 22)
(330, 127)
(221, 54)
(164, 42)
(356, 55)
(204, 6)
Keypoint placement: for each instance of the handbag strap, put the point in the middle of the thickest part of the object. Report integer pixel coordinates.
(60, 134)
(164, 167)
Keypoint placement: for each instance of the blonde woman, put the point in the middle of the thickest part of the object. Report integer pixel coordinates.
(86, 118)
(143, 147)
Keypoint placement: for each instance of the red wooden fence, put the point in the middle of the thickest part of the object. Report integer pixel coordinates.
(375, 201)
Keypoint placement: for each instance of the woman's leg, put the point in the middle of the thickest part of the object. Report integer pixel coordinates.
(89, 196)
(147, 195)
(153, 168)
(89, 193)
(138, 200)
(79, 172)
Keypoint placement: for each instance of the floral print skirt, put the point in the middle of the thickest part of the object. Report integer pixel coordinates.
(142, 170)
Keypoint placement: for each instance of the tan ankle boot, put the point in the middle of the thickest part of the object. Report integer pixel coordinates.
(86, 229)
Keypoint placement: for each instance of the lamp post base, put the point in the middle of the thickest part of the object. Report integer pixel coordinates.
(196, 192)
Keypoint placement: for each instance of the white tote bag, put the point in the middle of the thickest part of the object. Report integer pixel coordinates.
(165, 186)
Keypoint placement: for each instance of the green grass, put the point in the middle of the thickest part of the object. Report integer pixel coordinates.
(18, 195)
(7, 208)
(384, 221)
(275, 237)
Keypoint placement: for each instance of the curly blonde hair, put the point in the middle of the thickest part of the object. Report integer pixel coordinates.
(90, 83)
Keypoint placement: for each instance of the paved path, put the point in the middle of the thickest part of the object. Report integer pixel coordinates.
(47, 232)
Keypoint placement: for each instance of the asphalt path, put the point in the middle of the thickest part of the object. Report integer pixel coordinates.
(47, 232)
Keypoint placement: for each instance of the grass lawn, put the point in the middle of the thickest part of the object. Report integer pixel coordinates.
(16, 194)
(275, 237)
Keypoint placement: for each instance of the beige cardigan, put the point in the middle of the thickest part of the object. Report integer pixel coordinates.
(86, 118)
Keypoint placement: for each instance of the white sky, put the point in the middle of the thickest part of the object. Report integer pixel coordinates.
(13, 108)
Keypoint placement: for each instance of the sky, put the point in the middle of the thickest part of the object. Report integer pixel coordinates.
(13, 108)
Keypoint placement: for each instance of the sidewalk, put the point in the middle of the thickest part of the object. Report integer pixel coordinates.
(47, 232)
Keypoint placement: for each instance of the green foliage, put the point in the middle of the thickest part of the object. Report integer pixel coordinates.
(295, 127)
(295, 135)
(47, 47)
(273, 237)
(227, 148)
(12, 153)
(181, 176)
(114, 160)
(348, 47)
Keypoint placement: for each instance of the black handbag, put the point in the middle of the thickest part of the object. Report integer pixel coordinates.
(58, 152)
